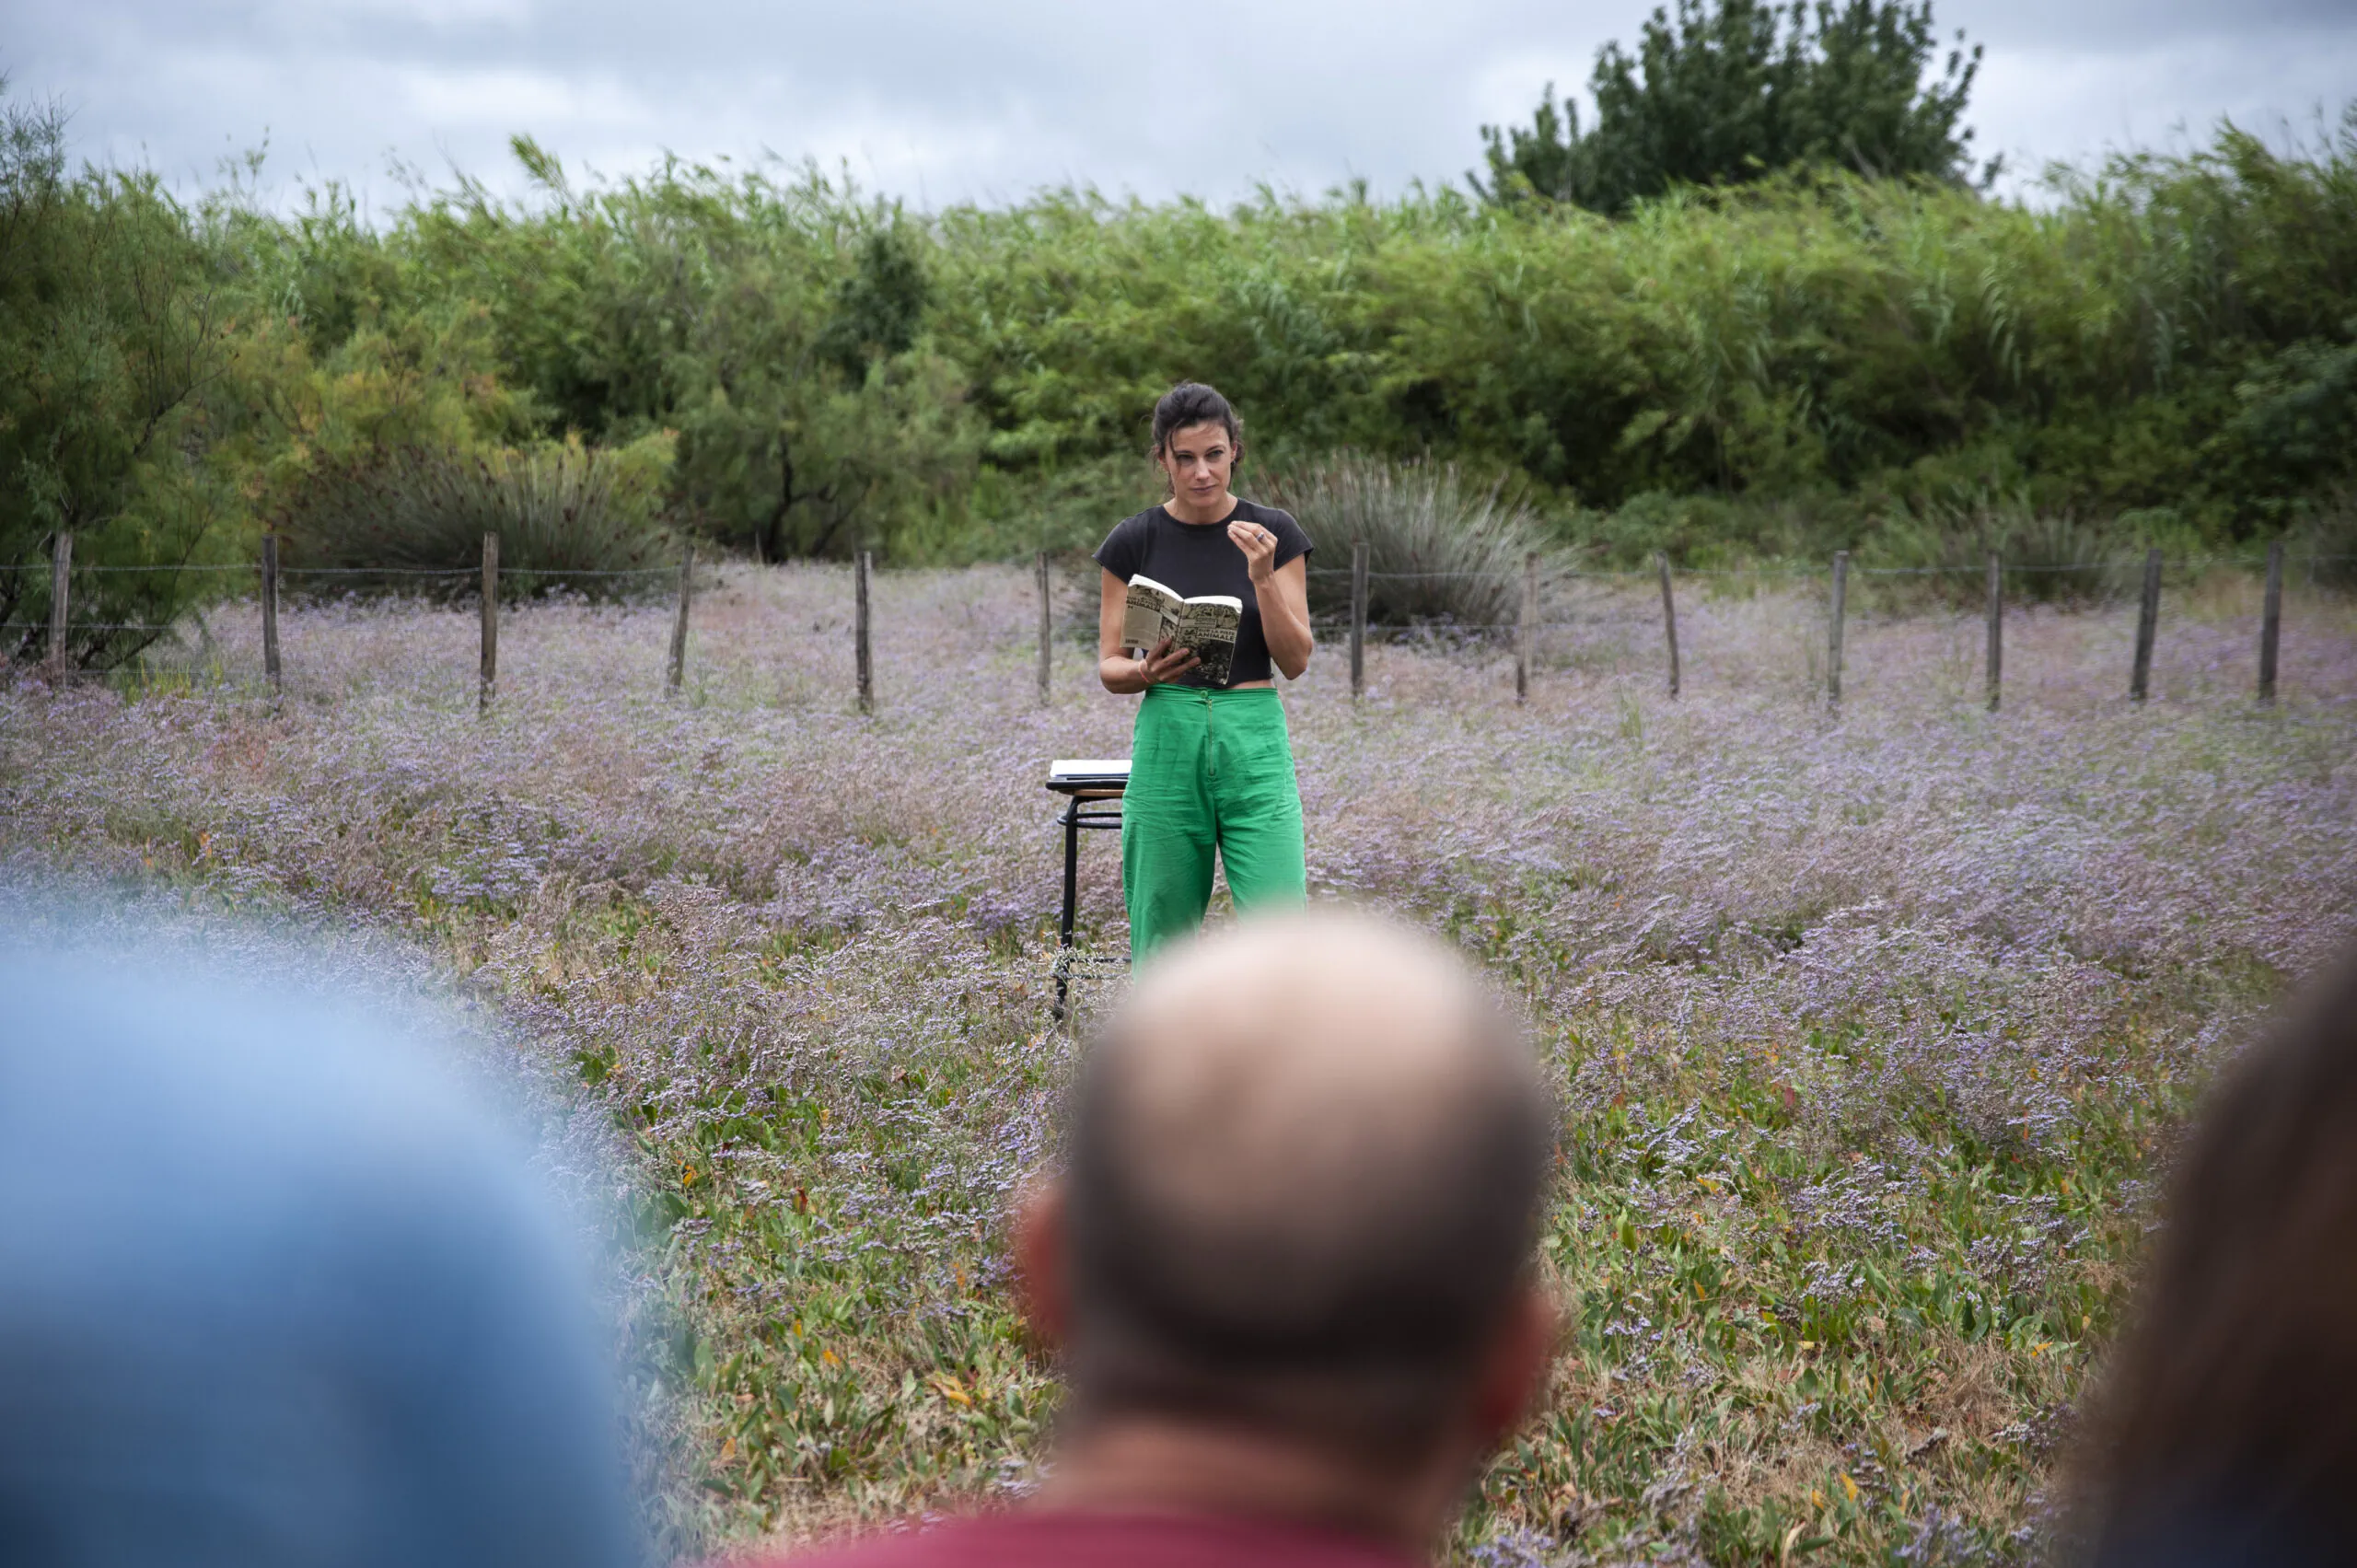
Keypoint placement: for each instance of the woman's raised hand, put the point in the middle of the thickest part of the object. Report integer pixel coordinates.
(1260, 547)
(1165, 662)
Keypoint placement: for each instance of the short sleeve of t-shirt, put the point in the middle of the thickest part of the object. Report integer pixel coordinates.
(1123, 550)
(1292, 542)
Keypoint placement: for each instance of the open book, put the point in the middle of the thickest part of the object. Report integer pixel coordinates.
(1205, 626)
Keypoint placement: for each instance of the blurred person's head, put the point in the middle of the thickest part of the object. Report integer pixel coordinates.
(275, 1291)
(2225, 1430)
(1297, 1223)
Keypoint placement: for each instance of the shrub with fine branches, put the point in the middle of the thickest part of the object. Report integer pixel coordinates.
(563, 514)
(1439, 546)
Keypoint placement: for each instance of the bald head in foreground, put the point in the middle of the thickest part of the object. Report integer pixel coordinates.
(1289, 1261)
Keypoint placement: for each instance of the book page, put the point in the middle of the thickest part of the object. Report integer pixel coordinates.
(1152, 613)
(1208, 626)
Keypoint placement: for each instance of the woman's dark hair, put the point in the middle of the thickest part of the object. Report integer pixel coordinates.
(1192, 403)
(2228, 1422)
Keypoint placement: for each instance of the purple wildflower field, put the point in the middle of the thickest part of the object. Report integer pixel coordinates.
(1873, 1030)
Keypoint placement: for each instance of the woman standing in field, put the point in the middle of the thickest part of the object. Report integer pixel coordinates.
(1211, 768)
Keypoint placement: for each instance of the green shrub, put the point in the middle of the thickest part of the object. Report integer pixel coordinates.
(1068, 508)
(2051, 557)
(2325, 541)
(1708, 530)
(564, 513)
(117, 397)
(1439, 547)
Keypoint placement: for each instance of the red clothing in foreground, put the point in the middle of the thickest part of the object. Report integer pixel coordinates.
(1103, 1541)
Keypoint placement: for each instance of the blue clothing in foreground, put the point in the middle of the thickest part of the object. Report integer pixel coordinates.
(272, 1293)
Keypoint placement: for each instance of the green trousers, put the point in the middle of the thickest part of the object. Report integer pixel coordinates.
(1211, 773)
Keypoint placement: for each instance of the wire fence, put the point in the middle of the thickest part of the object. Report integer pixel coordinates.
(1994, 574)
(271, 576)
(1781, 569)
(1522, 631)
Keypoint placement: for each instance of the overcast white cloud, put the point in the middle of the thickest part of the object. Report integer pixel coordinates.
(944, 102)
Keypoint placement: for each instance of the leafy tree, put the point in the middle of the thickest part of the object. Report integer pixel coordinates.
(112, 343)
(777, 327)
(1735, 89)
(813, 465)
(814, 423)
(879, 307)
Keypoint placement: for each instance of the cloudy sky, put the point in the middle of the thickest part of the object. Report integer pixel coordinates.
(947, 100)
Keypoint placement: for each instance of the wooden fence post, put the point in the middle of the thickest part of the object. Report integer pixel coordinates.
(1669, 617)
(1358, 618)
(866, 657)
(2148, 616)
(1047, 633)
(61, 567)
(1527, 627)
(1833, 633)
(1995, 671)
(489, 679)
(270, 610)
(2270, 622)
(679, 666)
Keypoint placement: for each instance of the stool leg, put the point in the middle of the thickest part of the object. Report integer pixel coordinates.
(1071, 900)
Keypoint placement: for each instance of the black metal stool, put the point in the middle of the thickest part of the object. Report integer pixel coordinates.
(1083, 781)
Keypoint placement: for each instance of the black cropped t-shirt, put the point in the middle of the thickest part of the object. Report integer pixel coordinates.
(1195, 559)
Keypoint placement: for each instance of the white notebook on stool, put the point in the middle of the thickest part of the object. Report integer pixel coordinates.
(1089, 770)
